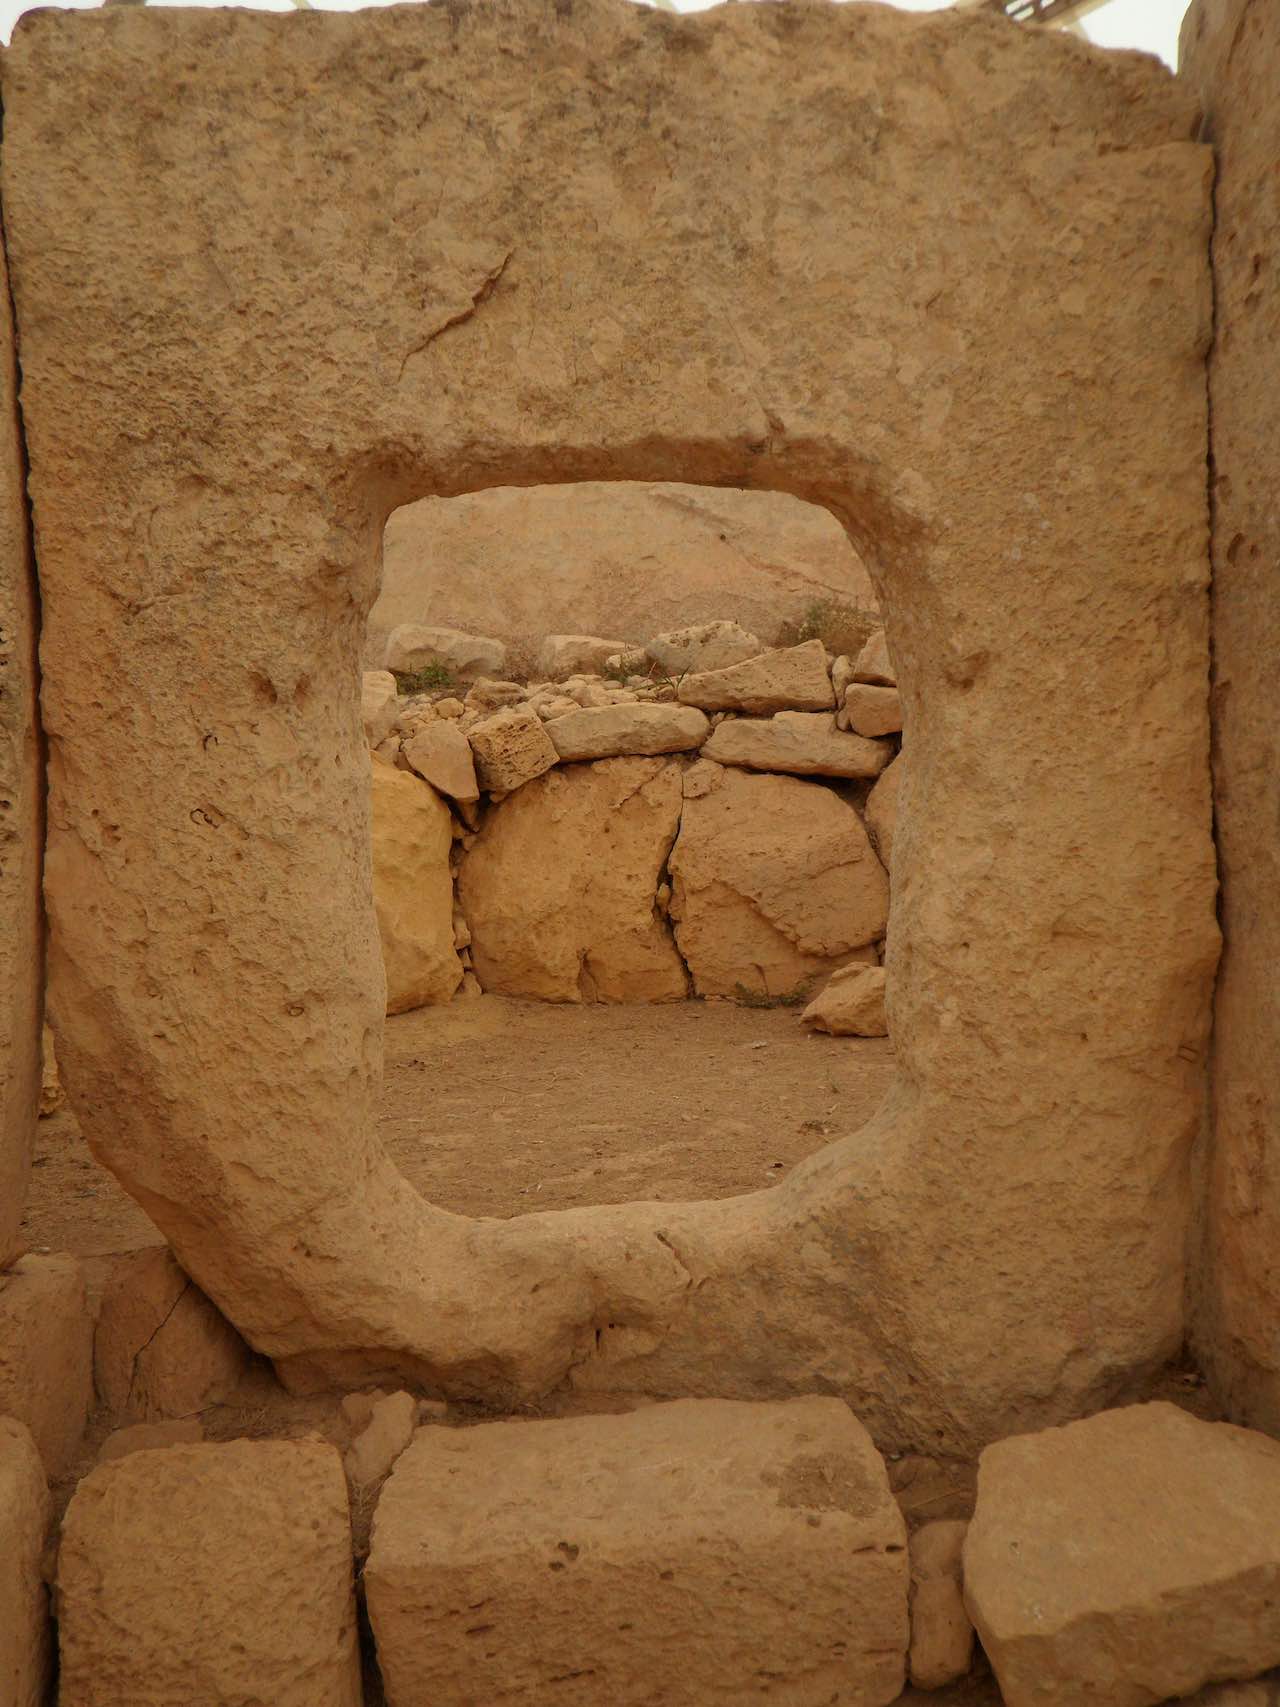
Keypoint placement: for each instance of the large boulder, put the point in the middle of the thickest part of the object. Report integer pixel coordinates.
(1125, 1559)
(735, 1552)
(774, 882)
(705, 646)
(415, 646)
(413, 889)
(612, 558)
(793, 678)
(25, 1516)
(218, 1575)
(803, 743)
(562, 655)
(611, 731)
(559, 889)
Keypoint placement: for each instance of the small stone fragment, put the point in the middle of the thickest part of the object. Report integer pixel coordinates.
(449, 707)
(611, 731)
(46, 1354)
(793, 678)
(541, 1561)
(413, 646)
(379, 705)
(441, 754)
(162, 1349)
(873, 711)
(561, 655)
(383, 1437)
(872, 663)
(1126, 1559)
(705, 646)
(25, 1517)
(511, 748)
(489, 695)
(801, 743)
(851, 1004)
(941, 1631)
(150, 1437)
(210, 1575)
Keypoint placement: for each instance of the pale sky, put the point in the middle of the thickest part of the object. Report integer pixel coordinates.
(1149, 24)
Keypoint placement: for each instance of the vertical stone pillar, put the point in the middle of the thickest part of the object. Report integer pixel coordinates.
(21, 811)
(1231, 54)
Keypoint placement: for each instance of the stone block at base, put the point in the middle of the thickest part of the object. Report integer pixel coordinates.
(162, 1349)
(209, 1575)
(46, 1354)
(1126, 1559)
(692, 1552)
(24, 1603)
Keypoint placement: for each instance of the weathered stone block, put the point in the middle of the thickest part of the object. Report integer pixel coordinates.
(774, 882)
(1125, 1559)
(510, 749)
(611, 731)
(793, 678)
(162, 1349)
(739, 1552)
(25, 1516)
(218, 1575)
(413, 888)
(803, 743)
(559, 889)
(46, 1354)
(941, 1629)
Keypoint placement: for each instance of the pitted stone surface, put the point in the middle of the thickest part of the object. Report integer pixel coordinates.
(735, 1552)
(211, 1574)
(1230, 55)
(229, 380)
(1126, 1559)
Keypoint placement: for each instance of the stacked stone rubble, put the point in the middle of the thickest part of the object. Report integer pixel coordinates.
(759, 877)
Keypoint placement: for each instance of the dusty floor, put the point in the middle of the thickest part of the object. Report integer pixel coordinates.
(498, 1107)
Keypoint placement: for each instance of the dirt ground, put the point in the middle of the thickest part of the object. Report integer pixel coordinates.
(499, 1107)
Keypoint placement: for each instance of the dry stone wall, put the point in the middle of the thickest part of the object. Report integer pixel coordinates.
(934, 278)
(1231, 56)
(635, 853)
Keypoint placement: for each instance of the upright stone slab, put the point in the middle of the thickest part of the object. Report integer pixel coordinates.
(692, 1552)
(308, 276)
(1231, 56)
(21, 813)
(217, 1575)
(25, 1516)
(1126, 1559)
(46, 1354)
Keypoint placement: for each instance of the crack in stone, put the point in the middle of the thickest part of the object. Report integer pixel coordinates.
(483, 291)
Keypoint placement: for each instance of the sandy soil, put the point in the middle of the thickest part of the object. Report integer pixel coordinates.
(499, 1107)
